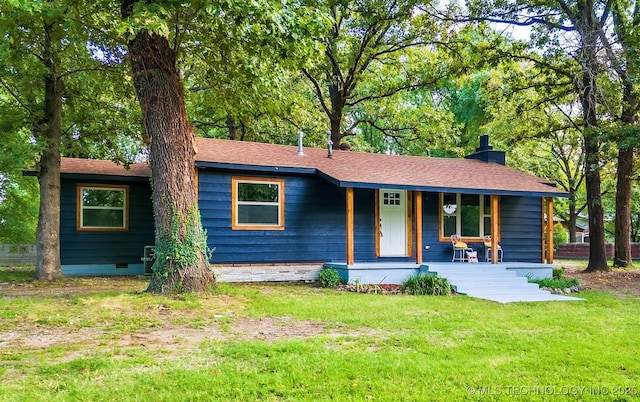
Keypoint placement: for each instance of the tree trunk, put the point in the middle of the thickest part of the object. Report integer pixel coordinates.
(572, 218)
(597, 249)
(48, 231)
(337, 105)
(181, 253)
(587, 26)
(232, 127)
(629, 118)
(622, 249)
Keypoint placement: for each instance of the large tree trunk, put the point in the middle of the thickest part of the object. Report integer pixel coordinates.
(622, 249)
(50, 133)
(181, 254)
(597, 249)
(587, 27)
(629, 118)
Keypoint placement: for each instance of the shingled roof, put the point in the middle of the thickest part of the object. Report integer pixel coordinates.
(368, 170)
(346, 169)
(79, 166)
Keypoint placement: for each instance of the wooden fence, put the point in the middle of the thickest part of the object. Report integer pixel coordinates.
(17, 254)
(581, 250)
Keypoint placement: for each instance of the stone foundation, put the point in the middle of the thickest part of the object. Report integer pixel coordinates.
(267, 273)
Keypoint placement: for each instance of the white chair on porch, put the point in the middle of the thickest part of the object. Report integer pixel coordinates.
(460, 249)
(487, 250)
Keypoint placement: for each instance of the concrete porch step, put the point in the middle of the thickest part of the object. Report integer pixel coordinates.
(496, 284)
(498, 288)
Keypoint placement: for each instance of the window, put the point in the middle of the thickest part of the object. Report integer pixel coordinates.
(468, 215)
(102, 207)
(257, 203)
(390, 198)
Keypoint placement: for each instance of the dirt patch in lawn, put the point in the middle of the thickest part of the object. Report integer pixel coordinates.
(170, 330)
(70, 287)
(165, 341)
(621, 282)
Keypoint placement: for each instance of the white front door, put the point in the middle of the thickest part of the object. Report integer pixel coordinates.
(393, 223)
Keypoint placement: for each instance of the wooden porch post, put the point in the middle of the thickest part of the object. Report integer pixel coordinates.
(418, 201)
(495, 228)
(350, 258)
(549, 234)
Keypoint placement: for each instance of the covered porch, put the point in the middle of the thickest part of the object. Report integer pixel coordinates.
(520, 223)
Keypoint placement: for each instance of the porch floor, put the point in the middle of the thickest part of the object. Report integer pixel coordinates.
(504, 282)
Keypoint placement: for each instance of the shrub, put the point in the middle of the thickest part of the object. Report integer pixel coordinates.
(558, 273)
(560, 236)
(426, 284)
(552, 283)
(558, 281)
(329, 278)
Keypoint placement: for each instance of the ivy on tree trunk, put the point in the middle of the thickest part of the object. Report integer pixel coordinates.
(181, 255)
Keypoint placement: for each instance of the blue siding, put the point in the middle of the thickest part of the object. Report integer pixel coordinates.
(438, 251)
(87, 249)
(520, 230)
(315, 227)
(315, 222)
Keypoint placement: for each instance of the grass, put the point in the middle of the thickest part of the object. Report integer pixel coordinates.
(16, 274)
(321, 344)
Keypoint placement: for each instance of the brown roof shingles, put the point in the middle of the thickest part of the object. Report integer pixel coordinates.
(102, 167)
(379, 170)
(347, 168)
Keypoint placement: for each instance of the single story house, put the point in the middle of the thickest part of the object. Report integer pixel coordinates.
(275, 212)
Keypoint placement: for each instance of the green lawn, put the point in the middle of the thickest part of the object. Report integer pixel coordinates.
(297, 342)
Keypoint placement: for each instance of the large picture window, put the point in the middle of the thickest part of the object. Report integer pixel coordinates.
(467, 215)
(257, 203)
(102, 208)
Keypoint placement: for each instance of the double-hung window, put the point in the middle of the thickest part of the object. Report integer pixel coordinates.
(467, 215)
(102, 208)
(258, 203)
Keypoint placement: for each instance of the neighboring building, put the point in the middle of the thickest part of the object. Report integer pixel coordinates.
(265, 207)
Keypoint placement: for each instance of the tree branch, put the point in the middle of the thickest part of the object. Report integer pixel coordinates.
(318, 91)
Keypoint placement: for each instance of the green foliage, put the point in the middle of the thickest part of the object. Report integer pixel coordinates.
(246, 75)
(19, 204)
(19, 275)
(329, 278)
(560, 235)
(553, 283)
(557, 281)
(426, 284)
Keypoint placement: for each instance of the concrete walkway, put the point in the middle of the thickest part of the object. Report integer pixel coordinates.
(494, 282)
